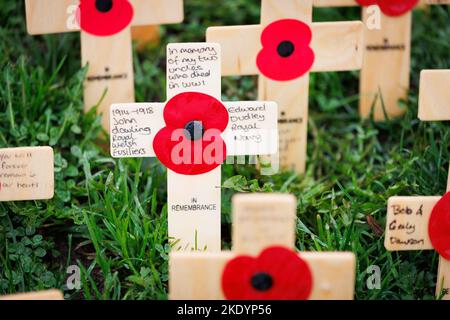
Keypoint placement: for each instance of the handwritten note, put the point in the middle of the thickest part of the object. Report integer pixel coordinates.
(407, 223)
(193, 67)
(133, 127)
(252, 128)
(26, 173)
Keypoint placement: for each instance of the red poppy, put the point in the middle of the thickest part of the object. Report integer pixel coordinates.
(104, 17)
(439, 226)
(393, 8)
(286, 53)
(191, 143)
(277, 274)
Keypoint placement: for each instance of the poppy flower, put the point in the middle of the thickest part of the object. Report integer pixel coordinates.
(277, 274)
(104, 17)
(286, 53)
(393, 8)
(190, 143)
(439, 226)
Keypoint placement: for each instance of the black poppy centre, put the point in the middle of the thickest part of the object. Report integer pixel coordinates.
(194, 130)
(262, 281)
(285, 49)
(104, 5)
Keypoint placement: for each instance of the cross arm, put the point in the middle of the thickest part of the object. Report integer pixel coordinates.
(338, 46)
(51, 16)
(197, 276)
(434, 95)
(133, 126)
(351, 3)
(407, 223)
(40, 295)
(252, 128)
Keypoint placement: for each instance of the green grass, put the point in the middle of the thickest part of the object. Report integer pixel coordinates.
(109, 216)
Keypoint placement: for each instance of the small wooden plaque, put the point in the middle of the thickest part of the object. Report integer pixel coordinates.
(26, 174)
(407, 223)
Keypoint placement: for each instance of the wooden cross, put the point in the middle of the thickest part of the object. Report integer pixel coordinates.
(259, 221)
(384, 78)
(193, 200)
(337, 47)
(38, 295)
(110, 58)
(26, 173)
(408, 218)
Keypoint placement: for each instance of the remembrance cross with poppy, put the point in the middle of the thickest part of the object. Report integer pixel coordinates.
(106, 44)
(192, 134)
(282, 50)
(262, 264)
(384, 78)
(423, 223)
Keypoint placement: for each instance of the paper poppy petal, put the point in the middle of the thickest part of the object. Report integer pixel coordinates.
(439, 226)
(396, 8)
(168, 143)
(290, 275)
(236, 278)
(393, 8)
(195, 106)
(176, 150)
(298, 59)
(106, 23)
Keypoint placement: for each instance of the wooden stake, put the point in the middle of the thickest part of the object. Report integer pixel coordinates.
(337, 47)
(194, 202)
(110, 58)
(26, 174)
(197, 276)
(39, 295)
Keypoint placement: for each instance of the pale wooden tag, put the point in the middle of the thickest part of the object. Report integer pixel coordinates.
(193, 67)
(407, 223)
(197, 275)
(252, 128)
(263, 220)
(26, 174)
(434, 96)
(39, 295)
(133, 128)
(50, 16)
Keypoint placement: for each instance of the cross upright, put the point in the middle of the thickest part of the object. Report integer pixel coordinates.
(191, 134)
(26, 173)
(423, 223)
(384, 78)
(106, 44)
(282, 50)
(264, 225)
